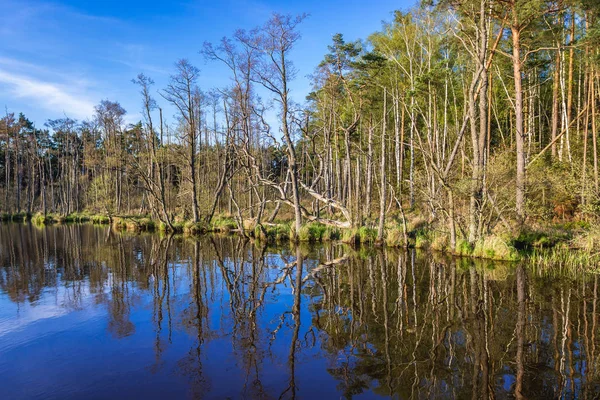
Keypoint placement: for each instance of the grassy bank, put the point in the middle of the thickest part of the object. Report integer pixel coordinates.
(574, 243)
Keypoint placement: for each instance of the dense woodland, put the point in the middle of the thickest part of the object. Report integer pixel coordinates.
(475, 117)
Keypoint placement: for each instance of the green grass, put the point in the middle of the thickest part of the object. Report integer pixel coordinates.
(331, 233)
(17, 217)
(422, 239)
(350, 236)
(561, 260)
(395, 237)
(440, 242)
(367, 235)
(195, 228)
(100, 220)
(223, 224)
(312, 232)
(496, 248)
(40, 219)
(273, 233)
(78, 217)
(361, 235)
(527, 240)
(463, 248)
(146, 224)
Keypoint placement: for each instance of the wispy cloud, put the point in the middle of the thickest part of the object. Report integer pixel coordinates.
(132, 55)
(52, 96)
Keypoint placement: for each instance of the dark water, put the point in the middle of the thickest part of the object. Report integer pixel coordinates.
(90, 314)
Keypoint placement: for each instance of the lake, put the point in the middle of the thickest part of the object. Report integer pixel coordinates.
(89, 313)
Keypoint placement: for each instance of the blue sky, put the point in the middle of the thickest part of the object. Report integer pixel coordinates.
(62, 57)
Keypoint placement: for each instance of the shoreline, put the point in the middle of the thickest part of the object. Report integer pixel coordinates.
(543, 248)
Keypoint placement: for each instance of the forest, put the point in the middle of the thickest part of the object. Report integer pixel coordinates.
(468, 126)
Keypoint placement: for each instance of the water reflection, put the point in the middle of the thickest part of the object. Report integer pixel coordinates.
(87, 312)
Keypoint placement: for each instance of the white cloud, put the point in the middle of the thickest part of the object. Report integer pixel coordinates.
(52, 96)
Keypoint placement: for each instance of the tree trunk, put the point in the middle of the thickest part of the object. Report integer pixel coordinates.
(519, 133)
(382, 200)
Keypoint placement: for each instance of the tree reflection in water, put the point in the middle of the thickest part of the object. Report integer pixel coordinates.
(236, 318)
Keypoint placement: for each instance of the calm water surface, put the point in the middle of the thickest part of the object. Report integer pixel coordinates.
(88, 313)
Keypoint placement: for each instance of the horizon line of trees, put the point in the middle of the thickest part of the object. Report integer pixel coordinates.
(476, 115)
